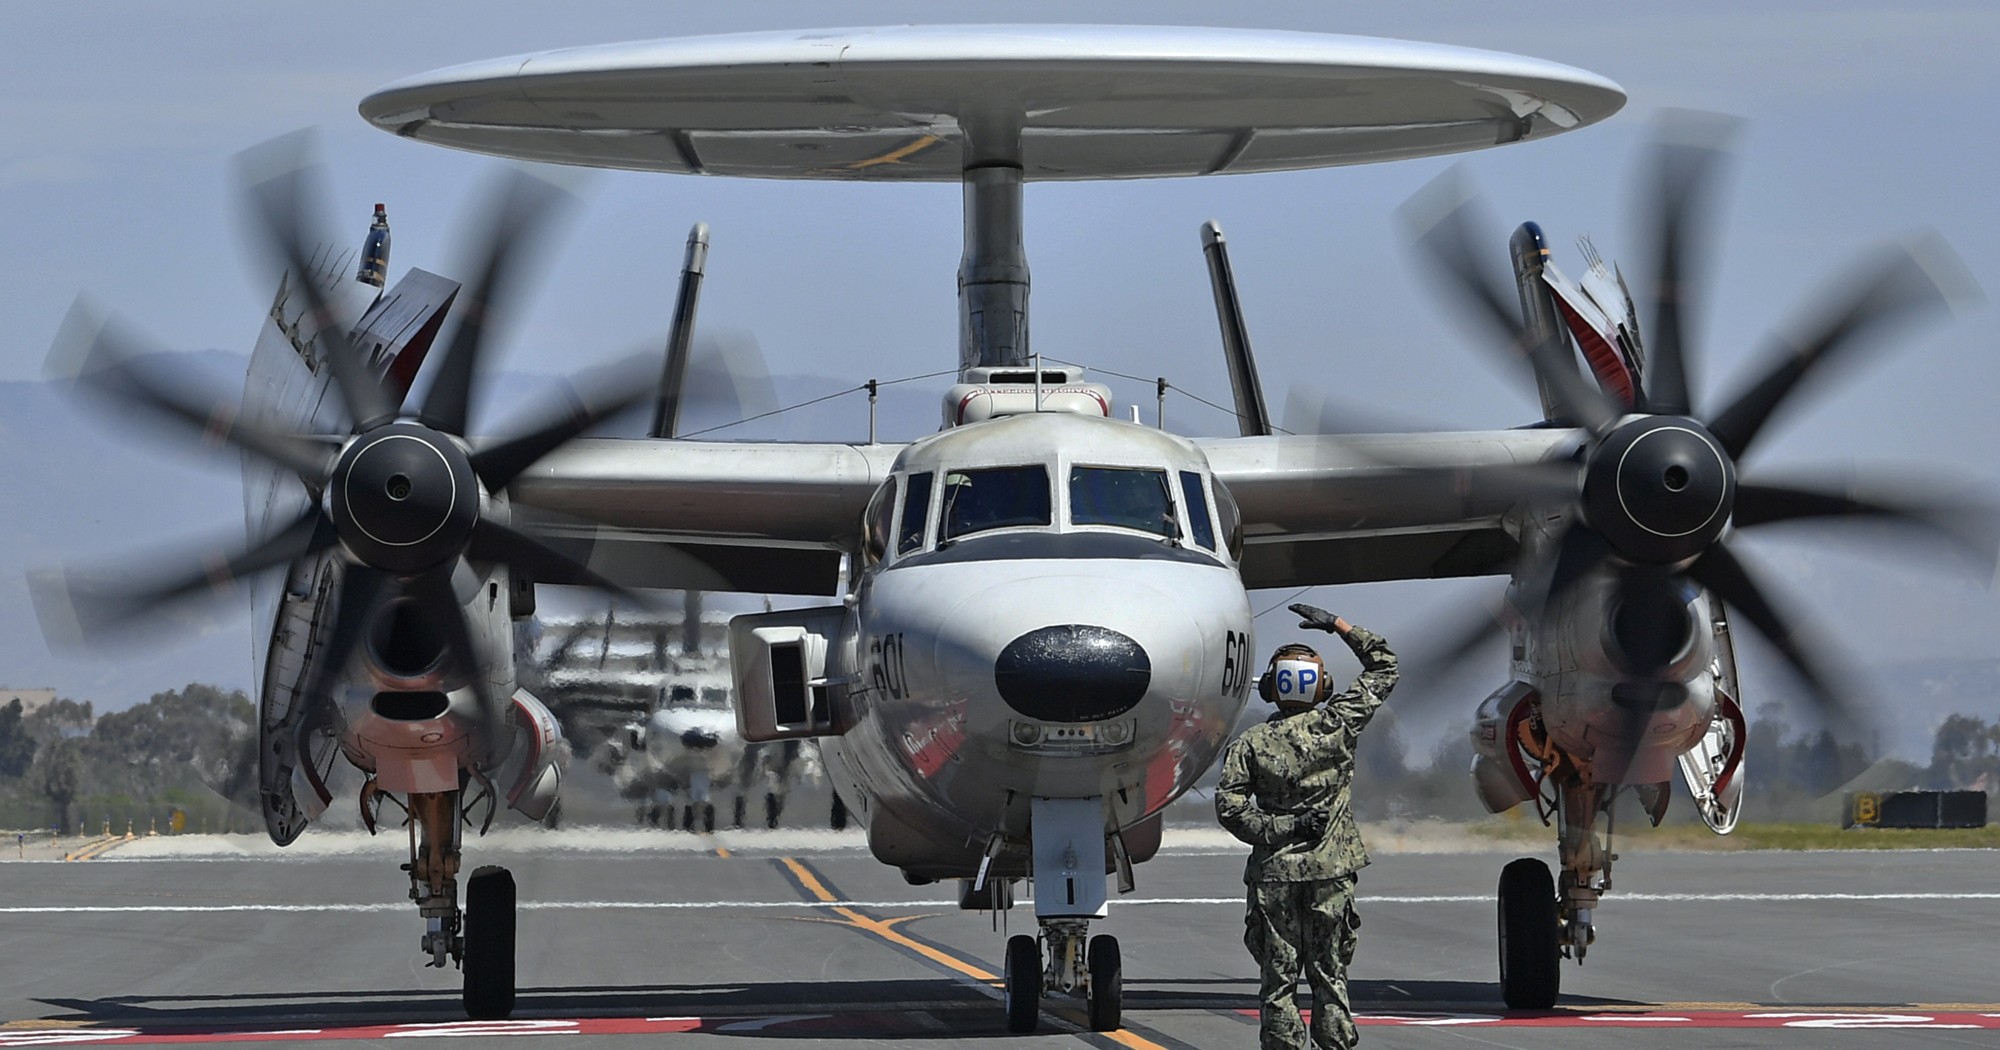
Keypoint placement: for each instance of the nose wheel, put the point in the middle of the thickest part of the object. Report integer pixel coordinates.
(1077, 965)
(1023, 983)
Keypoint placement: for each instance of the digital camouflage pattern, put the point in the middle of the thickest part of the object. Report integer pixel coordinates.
(1297, 763)
(1300, 910)
(1289, 927)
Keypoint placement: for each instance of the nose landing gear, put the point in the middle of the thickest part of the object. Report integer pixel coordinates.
(1069, 876)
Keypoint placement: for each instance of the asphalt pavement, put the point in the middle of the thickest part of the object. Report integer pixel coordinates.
(755, 939)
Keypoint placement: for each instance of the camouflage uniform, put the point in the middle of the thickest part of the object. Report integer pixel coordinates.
(1301, 889)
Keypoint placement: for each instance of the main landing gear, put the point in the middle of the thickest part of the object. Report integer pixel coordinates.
(1544, 920)
(1078, 965)
(480, 937)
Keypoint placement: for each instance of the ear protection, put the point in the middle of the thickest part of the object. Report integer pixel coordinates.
(1296, 675)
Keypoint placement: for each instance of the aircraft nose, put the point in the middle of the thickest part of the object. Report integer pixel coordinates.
(1072, 673)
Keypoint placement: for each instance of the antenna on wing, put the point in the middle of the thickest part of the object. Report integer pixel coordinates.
(1253, 419)
(673, 379)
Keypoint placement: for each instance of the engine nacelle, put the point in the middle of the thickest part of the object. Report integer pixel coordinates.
(781, 662)
(1499, 770)
(539, 781)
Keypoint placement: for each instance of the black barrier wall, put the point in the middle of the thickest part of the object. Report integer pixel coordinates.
(1915, 809)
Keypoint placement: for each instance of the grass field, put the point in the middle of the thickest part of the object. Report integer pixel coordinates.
(1757, 836)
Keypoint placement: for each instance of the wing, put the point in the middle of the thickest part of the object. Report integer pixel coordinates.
(771, 518)
(1326, 509)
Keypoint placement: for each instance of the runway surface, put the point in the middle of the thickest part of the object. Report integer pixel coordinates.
(773, 940)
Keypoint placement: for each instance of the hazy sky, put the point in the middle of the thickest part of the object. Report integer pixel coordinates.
(118, 123)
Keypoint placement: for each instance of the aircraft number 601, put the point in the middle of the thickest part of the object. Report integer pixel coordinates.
(886, 665)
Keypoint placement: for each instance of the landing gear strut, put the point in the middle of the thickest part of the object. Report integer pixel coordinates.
(1586, 863)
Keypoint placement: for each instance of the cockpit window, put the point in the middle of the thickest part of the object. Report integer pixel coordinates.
(880, 507)
(1122, 496)
(1197, 507)
(995, 498)
(916, 508)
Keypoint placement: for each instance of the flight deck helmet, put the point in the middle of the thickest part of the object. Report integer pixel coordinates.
(1295, 679)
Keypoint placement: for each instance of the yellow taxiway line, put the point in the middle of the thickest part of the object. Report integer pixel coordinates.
(95, 849)
(886, 930)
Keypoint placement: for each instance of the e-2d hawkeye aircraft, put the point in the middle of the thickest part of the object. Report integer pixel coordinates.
(1043, 633)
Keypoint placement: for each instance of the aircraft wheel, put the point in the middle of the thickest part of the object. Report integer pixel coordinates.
(1024, 983)
(1107, 983)
(739, 812)
(839, 818)
(1530, 954)
(687, 817)
(707, 818)
(772, 807)
(489, 944)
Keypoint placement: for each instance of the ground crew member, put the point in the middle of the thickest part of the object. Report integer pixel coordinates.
(1285, 790)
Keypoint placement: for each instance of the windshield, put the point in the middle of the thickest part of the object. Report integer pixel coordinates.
(977, 500)
(1122, 496)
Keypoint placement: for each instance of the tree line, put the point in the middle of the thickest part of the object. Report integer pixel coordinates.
(65, 768)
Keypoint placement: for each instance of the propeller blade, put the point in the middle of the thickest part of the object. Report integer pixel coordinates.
(1685, 162)
(1443, 218)
(521, 205)
(105, 358)
(527, 556)
(362, 592)
(438, 602)
(1578, 552)
(1915, 278)
(78, 610)
(280, 179)
(1459, 641)
(499, 462)
(1972, 529)
(1724, 575)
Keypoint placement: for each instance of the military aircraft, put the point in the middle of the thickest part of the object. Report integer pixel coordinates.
(1041, 633)
(647, 699)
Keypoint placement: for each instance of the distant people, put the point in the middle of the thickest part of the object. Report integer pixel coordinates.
(1286, 791)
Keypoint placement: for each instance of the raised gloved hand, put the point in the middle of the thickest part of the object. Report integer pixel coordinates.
(1314, 618)
(1311, 825)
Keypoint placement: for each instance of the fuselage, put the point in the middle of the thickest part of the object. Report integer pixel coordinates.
(1049, 609)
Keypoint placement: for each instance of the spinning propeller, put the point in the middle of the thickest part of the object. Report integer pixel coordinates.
(406, 497)
(1658, 486)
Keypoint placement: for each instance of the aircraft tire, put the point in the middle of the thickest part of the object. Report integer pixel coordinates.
(1107, 983)
(839, 818)
(740, 807)
(489, 944)
(1530, 950)
(707, 818)
(1024, 984)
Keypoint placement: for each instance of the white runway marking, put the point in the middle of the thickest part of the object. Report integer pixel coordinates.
(938, 905)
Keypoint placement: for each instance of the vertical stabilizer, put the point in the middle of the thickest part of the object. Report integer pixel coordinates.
(1253, 418)
(673, 380)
